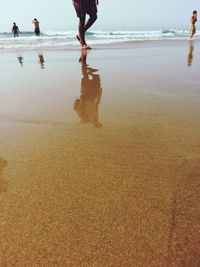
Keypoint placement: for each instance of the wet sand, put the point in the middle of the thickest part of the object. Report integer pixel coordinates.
(99, 159)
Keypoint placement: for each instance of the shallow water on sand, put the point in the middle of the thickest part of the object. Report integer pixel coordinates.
(99, 157)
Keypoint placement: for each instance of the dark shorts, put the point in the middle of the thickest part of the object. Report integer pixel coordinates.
(37, 31)
(15, 33)
(84, 7)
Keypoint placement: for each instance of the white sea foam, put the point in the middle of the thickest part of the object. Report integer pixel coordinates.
(56, 39)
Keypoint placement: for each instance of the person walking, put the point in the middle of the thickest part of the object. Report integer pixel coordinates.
(83, 8)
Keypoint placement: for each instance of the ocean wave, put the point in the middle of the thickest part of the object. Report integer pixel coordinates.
(48, 39)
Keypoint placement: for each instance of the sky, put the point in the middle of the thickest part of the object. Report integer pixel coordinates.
(112, 15)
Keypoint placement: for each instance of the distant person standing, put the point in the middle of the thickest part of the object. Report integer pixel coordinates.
(15, 30)
(37, 27)
(84, 7)
(193, 21)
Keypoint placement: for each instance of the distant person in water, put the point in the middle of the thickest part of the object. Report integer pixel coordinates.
(15, 30)
(84, 7)
(37, 27)
(193, 21)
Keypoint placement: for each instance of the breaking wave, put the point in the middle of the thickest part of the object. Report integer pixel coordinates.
(56, 39)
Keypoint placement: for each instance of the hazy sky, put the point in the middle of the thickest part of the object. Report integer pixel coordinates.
(113, 14)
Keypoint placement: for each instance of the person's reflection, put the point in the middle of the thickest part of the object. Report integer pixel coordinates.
(87, 106)
(3, 184)
(190, 53)
(41, 60)
(20, 59)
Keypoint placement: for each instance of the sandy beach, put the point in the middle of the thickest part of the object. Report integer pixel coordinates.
(99, 157)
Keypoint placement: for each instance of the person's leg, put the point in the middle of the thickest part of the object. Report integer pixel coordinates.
(90, 21)
(193, 33)
(81, 30)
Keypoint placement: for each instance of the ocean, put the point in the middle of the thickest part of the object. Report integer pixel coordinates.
(67, 39)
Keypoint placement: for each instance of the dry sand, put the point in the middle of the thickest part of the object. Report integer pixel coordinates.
(119, 189)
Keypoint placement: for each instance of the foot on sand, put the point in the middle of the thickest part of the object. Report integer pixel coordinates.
(84, 46)
(80, 41)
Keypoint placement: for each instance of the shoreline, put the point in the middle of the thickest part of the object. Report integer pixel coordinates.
(119, 45)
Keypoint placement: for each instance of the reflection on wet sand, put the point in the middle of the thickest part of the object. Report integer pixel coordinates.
(3, 184)
(41, 60)
(88, 104)
(190, 53)
(20, 59)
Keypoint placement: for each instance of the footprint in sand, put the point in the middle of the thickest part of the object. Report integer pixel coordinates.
(3, 183)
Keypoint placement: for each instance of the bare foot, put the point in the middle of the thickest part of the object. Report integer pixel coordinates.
(86, 47)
